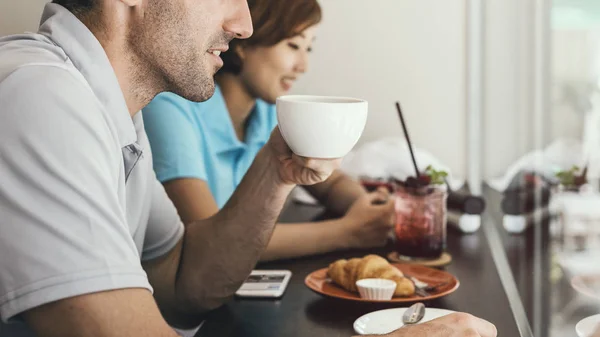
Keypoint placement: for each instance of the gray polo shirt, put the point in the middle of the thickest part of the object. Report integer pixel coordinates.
(80, 206)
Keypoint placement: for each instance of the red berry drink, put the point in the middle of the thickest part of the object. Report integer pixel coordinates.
(420, 220)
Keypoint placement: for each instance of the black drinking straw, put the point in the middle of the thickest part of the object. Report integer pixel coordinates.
(412, 154)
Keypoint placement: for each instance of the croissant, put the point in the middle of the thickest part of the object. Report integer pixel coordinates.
(345, 273)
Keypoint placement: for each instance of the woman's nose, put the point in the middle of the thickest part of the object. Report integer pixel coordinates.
(302, 63)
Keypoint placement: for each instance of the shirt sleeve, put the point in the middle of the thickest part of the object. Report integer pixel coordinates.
(165, 228)
(63, 231)
(174, 138)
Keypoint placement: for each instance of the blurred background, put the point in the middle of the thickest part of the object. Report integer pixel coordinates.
(491, 89)
(418, 53)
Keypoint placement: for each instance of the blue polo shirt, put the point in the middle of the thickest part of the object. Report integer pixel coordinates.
(197, 140)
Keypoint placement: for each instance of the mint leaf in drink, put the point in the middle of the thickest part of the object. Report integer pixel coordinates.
(437, 177)
(568, 177)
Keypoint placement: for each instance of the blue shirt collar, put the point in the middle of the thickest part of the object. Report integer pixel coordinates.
(219, 122)
(88, 56)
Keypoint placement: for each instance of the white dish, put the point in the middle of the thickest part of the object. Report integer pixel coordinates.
(385, 321)
(587, 326)
(321, 126)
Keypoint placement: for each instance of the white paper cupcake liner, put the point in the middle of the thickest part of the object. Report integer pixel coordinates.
(376, 289)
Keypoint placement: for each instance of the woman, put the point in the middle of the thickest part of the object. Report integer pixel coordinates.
(206, 148)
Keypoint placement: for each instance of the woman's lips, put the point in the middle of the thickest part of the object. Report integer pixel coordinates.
(287, 83)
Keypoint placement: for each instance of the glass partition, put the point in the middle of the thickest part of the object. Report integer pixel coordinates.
(544, 205)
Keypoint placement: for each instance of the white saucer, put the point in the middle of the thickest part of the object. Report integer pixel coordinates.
(586, 327)
(385, 321)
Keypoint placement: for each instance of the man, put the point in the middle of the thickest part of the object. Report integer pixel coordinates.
(87, 234)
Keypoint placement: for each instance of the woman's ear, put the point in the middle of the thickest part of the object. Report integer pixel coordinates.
(239, 50)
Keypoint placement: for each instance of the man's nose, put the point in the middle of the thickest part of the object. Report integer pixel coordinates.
(239, 23)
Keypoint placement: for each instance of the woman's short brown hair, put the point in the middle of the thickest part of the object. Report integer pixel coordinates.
(273, 21)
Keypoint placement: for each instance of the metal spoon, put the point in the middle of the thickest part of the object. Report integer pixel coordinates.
(414, 314)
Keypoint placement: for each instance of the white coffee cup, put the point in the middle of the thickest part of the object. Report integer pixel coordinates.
(321, 126)
(588, 326)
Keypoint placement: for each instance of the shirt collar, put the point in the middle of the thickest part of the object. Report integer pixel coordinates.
(218, 121)
(88, 56)
(258, 131)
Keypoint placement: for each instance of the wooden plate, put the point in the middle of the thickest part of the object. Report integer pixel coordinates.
(318, 282)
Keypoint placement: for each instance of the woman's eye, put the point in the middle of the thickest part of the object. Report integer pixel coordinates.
(293, 46)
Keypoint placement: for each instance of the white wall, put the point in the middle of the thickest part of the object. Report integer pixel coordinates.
(407, 50)
(415, 51)
(508, 95)
(18, 16)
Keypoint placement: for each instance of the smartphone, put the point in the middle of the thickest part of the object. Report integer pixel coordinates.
(265, 283)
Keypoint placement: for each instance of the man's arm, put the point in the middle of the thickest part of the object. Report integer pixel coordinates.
(126, 312)
(218, 253)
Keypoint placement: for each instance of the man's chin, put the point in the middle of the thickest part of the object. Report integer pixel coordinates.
(199, 92)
